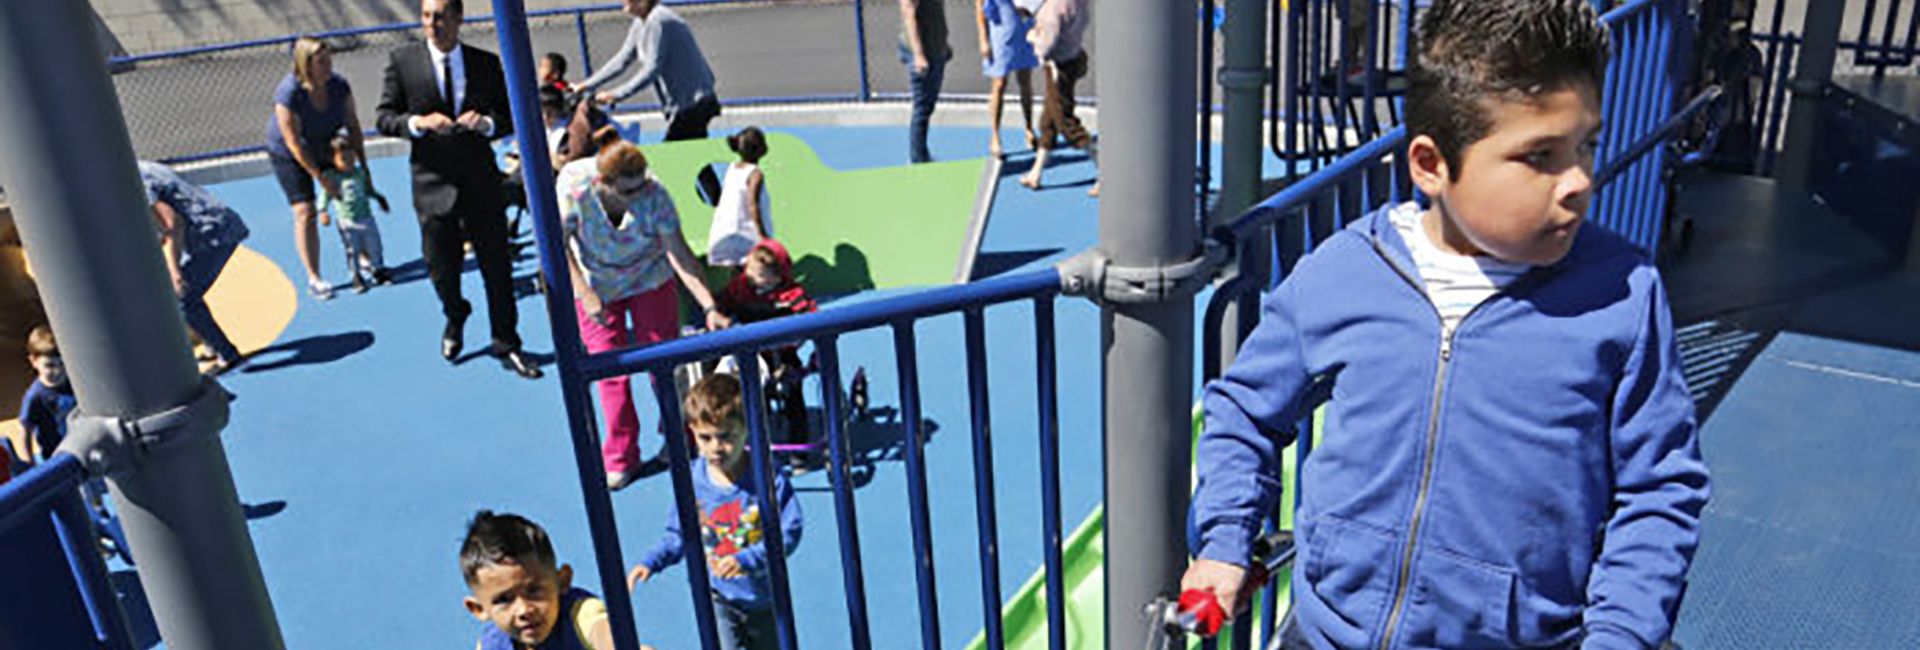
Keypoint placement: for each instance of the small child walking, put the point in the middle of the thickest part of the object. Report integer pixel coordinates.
(733, 525)
(744, 214)
(352, 212)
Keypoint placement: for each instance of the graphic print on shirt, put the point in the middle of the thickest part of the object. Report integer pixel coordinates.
(729, 528)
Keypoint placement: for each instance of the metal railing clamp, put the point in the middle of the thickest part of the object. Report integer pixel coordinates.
(108, 445)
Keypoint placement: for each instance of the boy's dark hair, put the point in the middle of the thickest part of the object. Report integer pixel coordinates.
(1474, 51)
(714, 401)
(497, 539)
(750, 143)
(341, 142)
(40, 342)
(556, 63)
(551, 99)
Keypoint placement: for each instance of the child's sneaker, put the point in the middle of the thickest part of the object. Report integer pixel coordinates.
(858, 397)
(320, 289)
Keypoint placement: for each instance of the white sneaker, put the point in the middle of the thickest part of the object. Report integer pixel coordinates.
(618, 480)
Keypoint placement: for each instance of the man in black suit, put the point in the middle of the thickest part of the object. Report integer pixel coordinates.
(457, 189)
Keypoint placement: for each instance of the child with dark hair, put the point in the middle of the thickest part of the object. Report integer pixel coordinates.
(744, 214)
(732, 526)
(552, 70)
(352, 213)
(1510, 457)
(517, 585)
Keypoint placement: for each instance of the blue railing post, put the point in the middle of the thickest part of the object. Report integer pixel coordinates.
(680, 471)
(843, 506)
(516, 53)
(983, 484)
(586, 53)
(77, 535)
(760, 448)
(1047, 383)
(860, 47)
(907, 361)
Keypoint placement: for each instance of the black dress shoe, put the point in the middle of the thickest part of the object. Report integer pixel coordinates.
(520, 364)
(451, 339)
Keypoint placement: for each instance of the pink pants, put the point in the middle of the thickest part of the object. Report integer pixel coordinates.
(643, 319)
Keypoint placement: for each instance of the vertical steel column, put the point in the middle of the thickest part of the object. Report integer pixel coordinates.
(681, 474)
(68, 166)
(516, 54)
(1047, 384)
(907, 359)
(1146, 219)
(586, 53)
(1812, 72)
(860, 47)
(760, 452)
(1241, 162)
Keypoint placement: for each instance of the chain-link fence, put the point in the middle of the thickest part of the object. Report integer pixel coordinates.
(218, 100)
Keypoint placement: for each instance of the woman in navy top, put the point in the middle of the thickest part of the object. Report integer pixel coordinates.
(310, 105)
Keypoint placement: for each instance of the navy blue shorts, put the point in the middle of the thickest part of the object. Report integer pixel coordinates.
(294, 181)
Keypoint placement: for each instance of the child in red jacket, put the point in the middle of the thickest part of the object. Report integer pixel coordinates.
(765, 289)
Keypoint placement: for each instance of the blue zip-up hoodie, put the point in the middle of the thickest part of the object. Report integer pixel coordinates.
(1535, 481)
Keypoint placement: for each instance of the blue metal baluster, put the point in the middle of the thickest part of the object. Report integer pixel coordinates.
(1763, 112)
(860, 47)
(851, 575)
(586, 53)
(909, 368)
(681, 471)
(1050, 471)
(516, 55)
(1864, 55)
(77, 535)
(1907, 51)
(1647, 102)
(1889, 55)
(1204, 179)
(1777, 106)
(983, 482)
(760, 448)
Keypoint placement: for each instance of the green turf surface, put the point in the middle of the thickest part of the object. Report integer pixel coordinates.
(847, 230)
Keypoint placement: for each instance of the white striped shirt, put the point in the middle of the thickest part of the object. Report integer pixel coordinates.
(1455, 283)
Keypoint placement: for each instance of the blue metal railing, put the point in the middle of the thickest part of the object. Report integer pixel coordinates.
(52, 489)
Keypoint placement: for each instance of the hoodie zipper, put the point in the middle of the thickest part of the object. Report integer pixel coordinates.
(1402, 581)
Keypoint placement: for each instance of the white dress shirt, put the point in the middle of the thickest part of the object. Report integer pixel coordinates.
(459, 70)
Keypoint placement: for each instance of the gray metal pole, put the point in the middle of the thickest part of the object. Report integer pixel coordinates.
(68, 167)
(1147, 94)
(1240, 139)
(1811, 74)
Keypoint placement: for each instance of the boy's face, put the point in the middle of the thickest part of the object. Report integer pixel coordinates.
(720, 446)
(761, 275)
(343, 159)
(1522, 191)
(49, 368)
(544, 69)
(524, 602)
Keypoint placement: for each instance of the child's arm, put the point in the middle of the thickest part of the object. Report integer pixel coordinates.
(366, 180)
(754, 188)
(753, 559)
(1250, 413)
(665, 553)
(1660, 485)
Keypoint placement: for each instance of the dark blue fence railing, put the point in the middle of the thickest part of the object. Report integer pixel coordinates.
(52, 489)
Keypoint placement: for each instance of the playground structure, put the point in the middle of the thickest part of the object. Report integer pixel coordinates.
(1145, 282)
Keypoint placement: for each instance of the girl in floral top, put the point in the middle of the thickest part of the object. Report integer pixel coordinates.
(624, 250)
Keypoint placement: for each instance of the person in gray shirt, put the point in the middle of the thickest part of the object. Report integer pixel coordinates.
(671, 62)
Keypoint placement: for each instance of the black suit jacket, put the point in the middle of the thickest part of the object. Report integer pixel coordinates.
(456, 166)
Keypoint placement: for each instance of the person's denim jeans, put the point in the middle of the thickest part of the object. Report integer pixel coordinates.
(926, 93)
(199, 270)
(742, 629)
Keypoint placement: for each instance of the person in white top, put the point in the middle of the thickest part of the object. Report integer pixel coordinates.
(743, 215)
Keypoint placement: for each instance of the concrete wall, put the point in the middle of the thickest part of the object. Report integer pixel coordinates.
(144, 26)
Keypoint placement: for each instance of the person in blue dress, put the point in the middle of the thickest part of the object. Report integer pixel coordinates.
(1004, 50)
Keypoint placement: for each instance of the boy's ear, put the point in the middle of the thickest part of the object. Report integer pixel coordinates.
(1428, 166)
(474, 607)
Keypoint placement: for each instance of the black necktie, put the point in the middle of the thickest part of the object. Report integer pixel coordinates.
(446, 81)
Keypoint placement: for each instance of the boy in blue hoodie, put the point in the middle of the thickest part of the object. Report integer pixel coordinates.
(1509, 456)
(732, 529)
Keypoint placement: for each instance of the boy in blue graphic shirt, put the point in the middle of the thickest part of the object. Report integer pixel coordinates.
(520, 588)
(730, 520)
(1509, 456)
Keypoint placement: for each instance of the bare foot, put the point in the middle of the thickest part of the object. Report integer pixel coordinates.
(1032, 182)
(1095, 190)
(993, 147)
(1033, 141)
